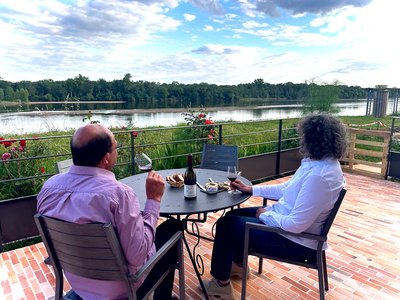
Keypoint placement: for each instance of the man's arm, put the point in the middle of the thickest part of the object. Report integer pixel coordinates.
(136, 229)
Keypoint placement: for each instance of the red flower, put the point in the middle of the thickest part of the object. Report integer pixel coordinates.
(6, 156)
(135, 134)
(42, 170)
(22, 143)
(21, 149)
(202, 115)
(208, 122)
(8, 143)
(210, 137)
(212, 131)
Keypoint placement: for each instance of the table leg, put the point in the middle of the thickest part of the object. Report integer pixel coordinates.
(195, 258)
(195, 268)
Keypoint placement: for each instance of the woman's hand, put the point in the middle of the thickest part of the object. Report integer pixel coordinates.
(237, 184)
(260, 211)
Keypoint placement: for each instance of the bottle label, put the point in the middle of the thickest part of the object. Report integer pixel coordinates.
(189, 191)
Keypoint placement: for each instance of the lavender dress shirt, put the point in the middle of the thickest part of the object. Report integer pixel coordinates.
(89, 194)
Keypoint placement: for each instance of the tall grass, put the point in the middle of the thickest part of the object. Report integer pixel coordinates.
(167, 146)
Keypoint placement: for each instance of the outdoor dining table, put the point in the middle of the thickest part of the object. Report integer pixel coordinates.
(195, 210)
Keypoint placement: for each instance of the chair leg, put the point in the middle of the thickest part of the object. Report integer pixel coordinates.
(326, 284)
(245, 262)
(320, 267)
(181, 264)
(321, 284)
(59, 285)
(260, 265)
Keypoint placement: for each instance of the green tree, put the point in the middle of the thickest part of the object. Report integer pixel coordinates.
(9, 94)
(22, 95)
(84, 87)
(322, 98)
(102, 91)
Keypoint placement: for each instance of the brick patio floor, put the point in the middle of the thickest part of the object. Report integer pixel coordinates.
(363, 258)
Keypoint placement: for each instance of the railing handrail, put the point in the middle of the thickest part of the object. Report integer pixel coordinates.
(223, 134)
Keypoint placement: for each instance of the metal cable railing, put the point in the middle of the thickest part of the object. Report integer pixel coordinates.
(31, 160)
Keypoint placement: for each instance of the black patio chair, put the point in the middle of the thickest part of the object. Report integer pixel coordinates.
(93, 251)
(317, 262)
(219, 157)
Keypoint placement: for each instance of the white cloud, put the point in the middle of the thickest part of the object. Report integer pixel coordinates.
(254, 24)
(189, 17)
(48, 37)
(213, 6)
(151, 40)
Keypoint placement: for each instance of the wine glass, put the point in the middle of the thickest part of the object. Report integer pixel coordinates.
(232, 175)
(143, 162)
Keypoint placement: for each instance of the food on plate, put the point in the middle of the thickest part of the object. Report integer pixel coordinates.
(175, 180)
(223, 185)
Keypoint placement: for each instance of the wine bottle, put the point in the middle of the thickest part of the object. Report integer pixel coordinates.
(190, 190)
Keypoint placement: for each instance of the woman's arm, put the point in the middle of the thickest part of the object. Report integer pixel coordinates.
(313, 198)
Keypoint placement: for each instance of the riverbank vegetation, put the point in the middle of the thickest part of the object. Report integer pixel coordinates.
(144, 94)
(33, 158)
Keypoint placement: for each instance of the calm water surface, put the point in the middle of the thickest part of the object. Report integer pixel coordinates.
(37, 121)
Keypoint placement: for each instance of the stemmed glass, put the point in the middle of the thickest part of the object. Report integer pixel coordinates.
(232, 175)
(143, 162)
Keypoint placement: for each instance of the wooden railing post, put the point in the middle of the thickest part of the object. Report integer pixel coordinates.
(360, 148)
(352, 146)
(278, 154)
(385, 155)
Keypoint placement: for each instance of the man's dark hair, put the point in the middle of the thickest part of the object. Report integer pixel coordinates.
(322, 136)
(91, 153)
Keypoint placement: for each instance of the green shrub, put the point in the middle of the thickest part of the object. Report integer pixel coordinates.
(21, 159)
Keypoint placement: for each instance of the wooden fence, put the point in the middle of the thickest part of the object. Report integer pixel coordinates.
(372, 157)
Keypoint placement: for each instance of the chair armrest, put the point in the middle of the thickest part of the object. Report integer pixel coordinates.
(264, 227)
(265, 200)
(145, 269)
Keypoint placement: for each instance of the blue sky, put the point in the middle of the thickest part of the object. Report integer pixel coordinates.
(193, 41)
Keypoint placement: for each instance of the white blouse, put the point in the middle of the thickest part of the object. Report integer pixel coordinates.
(306, 200)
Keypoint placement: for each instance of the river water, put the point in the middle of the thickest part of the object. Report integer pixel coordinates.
(44, 121)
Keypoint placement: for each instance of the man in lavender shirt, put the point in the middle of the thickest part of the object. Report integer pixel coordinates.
(90, 193)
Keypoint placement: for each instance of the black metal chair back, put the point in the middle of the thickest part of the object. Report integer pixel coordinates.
(219, 157)
(317, 262)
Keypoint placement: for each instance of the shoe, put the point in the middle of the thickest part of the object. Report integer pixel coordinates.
(236, 271)
(215, 291)
(71, 295)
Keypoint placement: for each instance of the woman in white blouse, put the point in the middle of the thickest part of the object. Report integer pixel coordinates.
(305, 202)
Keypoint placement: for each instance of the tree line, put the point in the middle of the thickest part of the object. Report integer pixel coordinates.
(144, 94)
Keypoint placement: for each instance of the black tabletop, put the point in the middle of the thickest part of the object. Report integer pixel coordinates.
(173, 202)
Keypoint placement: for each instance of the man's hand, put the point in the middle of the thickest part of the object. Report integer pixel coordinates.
(237, 184)
(155, 186)
(260, 211)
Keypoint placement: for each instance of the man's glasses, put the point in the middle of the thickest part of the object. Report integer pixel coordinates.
(118, 147)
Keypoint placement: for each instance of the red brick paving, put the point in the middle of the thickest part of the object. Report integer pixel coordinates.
(363, 258)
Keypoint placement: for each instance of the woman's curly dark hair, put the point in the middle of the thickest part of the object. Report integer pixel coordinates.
(322, 136)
